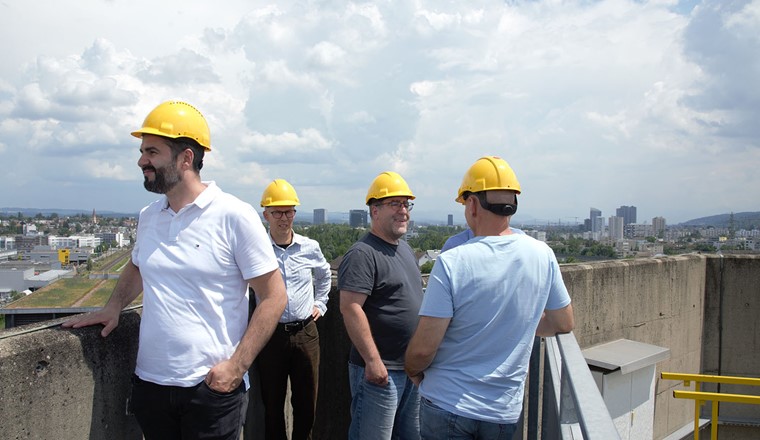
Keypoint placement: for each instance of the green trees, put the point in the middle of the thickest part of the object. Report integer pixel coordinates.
(336, 239)
(432, 237)
(333, 239)
(576, 246)
(427, 267)
(568, 246)
(599, 250)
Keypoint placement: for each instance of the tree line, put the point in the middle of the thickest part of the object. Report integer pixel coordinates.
(336, 239)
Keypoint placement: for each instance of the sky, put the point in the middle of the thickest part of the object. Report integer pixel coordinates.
(598, 104)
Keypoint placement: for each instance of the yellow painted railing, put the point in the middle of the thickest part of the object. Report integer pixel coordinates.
(700, 397)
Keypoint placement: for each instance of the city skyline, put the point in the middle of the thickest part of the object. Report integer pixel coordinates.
(330, 216)
(603, 104)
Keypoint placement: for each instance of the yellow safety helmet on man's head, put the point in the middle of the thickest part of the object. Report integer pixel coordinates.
(388, 184)
(279, 193)
(176, 119)
(488, 173)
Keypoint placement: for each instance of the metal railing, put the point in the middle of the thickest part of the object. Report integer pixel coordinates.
(700, 397)
(564, 401)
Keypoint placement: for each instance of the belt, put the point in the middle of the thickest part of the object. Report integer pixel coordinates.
(295, 326)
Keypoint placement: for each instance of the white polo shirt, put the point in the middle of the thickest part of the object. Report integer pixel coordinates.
(194, 266)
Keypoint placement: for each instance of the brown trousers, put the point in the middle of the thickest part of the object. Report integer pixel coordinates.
(290, 355)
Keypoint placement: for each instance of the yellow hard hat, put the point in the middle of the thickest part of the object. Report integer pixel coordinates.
(279, 193)
(488, 173)
(388, 184)
(175, 119)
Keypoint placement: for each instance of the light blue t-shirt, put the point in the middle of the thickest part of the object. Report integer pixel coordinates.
(495, 290)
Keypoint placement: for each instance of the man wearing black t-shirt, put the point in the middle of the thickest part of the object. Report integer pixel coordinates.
(380, 295)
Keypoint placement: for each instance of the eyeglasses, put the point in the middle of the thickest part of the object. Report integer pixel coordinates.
(395, 204)
(278, 214)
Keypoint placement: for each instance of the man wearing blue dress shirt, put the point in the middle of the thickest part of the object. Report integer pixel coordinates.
(293, 350)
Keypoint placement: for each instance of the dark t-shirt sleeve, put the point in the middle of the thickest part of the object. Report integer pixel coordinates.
(356, 272)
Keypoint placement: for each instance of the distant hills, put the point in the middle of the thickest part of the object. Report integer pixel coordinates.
(742, 220)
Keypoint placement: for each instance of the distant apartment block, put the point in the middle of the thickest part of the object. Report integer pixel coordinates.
(320, 216)
(7, 243)
(113, 237)
(357, 218)
(29, 229)
(638, 230)
(596, 220)
(658, 226)
(450, 221)
(25, 243)
(628, 213)
(73, 241)
(616, 228)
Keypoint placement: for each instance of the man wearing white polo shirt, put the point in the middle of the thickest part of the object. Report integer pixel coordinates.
(197, 251)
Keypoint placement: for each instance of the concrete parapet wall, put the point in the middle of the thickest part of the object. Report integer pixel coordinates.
(655, 301)
(67, 384)
(73, 384)
(732, 330)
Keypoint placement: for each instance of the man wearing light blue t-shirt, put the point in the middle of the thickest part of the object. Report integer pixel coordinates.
(485, 302)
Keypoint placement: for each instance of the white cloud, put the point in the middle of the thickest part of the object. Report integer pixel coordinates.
(106, 170)
(360, 117)
(586, 100)
(326, 55)
(293, 146)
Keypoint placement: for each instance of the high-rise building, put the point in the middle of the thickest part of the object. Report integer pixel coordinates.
(616, 228)
(628, 213)
(450, 221)
(658, 226)
(357, 218)
(597, 222)
(320, 216)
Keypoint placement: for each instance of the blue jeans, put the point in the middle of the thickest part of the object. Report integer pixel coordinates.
(383, 412)
(439, 424)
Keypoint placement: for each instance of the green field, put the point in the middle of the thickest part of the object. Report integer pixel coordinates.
(66, 292)
(100, 295)
(62, 293)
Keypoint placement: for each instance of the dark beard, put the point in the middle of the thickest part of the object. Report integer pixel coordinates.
(164, 180)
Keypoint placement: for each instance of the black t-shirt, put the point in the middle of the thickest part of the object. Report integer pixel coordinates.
(389, 276)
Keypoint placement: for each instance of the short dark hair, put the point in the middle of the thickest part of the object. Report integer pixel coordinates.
(502, 209)
(181, 144)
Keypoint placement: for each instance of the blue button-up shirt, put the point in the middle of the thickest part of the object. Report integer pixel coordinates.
(306, 274)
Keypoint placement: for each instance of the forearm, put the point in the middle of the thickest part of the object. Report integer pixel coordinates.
(272, 302)
(260, 329)
(128, 287)
(417, 362)
(556, 321)
(360, 334)
(424, 344)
